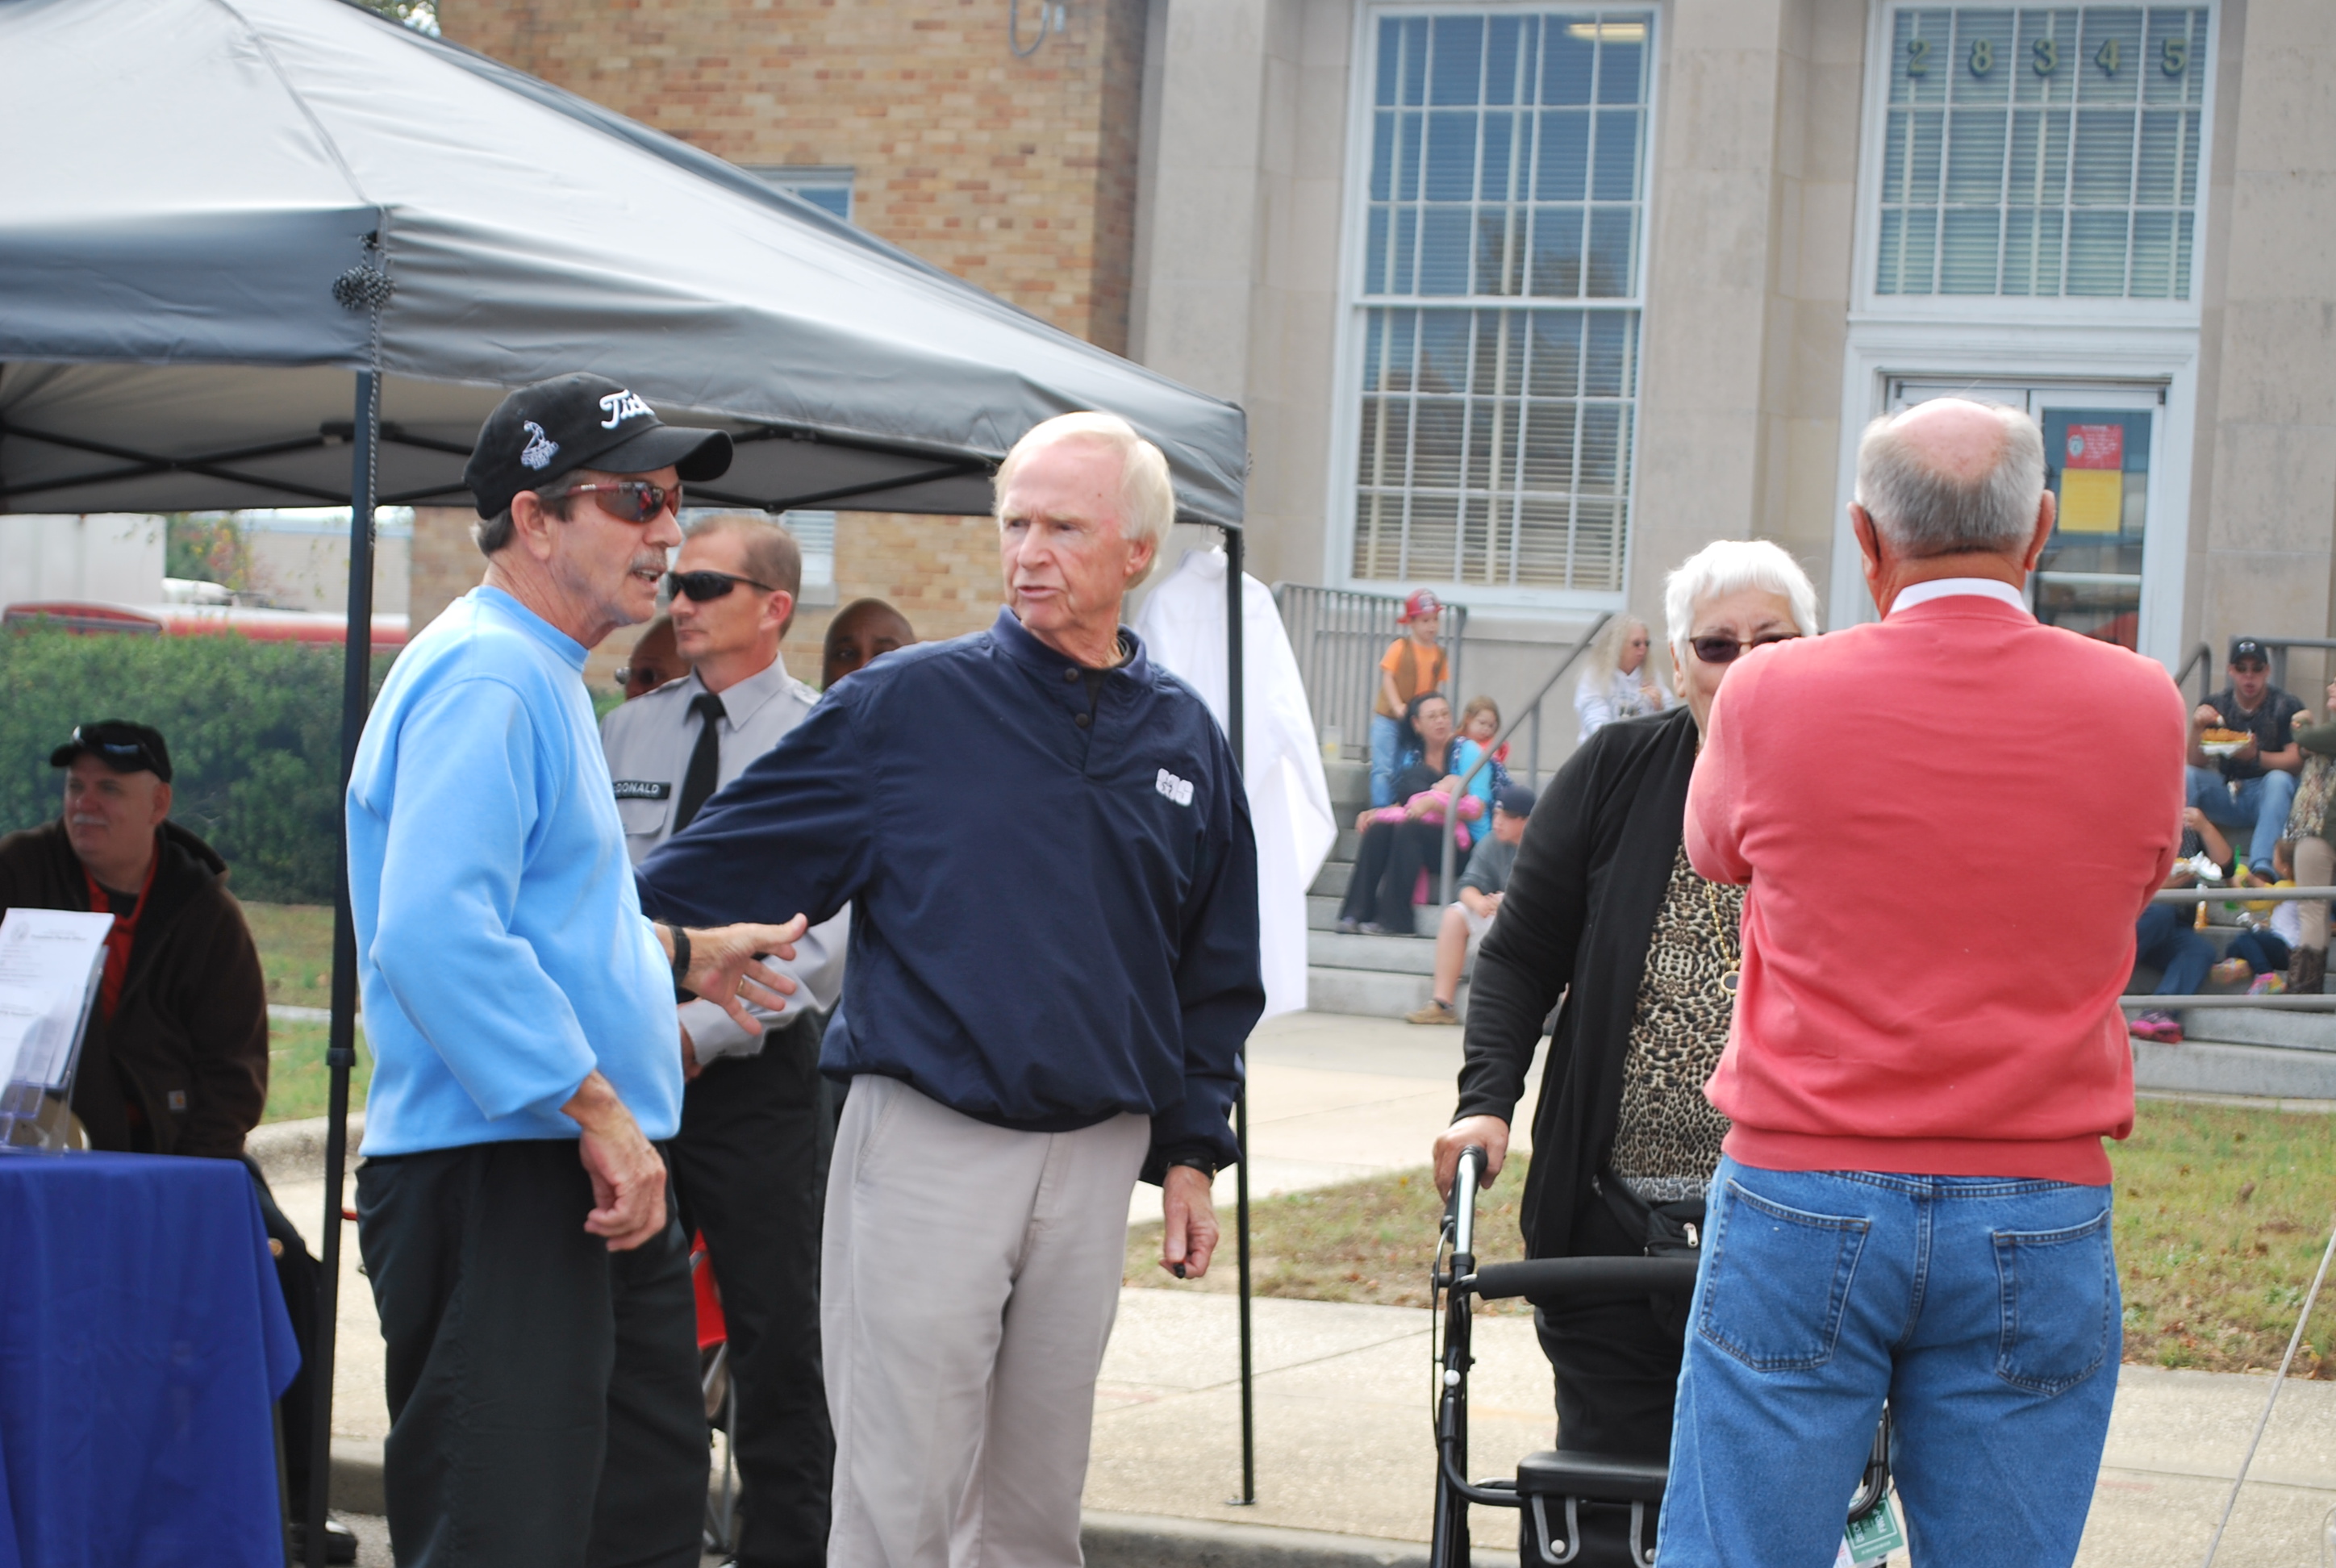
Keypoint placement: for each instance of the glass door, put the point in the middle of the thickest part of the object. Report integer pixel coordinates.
(2098, 441)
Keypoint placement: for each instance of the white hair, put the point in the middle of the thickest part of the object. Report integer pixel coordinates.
(1147, 498)
(1924, 512)
(1726, 565)
(1605, 655)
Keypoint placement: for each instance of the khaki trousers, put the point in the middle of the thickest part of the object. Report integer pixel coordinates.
(968, 1278)
(2315, 866)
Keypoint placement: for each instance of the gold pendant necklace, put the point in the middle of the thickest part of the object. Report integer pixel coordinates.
(1734, 955)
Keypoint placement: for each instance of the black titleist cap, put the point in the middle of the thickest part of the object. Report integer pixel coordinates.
(541, 432)
(2246, 650)
(123, 747)
(1514, 799)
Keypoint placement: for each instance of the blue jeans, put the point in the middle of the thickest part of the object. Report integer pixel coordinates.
(2166, 944)
(1985, 1309)
(2259, 805)
(1386, 741)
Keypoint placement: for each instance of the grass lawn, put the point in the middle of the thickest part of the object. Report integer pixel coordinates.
(2221, 1216)
(297, 1079)
(296, 952)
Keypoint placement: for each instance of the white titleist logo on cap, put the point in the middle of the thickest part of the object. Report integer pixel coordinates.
(1178, 790)
(540, 448)
(621, 406)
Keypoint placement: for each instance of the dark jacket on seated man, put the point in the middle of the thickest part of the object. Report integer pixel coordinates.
(181, 1068)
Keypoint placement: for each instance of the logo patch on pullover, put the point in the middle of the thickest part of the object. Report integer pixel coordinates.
(1178, 790)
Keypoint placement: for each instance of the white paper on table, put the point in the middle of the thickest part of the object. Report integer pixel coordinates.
(50, 961)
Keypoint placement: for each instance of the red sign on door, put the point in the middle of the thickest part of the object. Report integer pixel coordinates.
(2096, 446)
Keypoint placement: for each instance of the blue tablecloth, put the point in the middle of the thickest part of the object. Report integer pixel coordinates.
(143, 1343)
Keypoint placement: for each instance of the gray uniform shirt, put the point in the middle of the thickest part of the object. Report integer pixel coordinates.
(648, 742)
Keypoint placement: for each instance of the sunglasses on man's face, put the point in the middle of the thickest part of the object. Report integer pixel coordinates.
(1724, 649)
(702, 586)
(632, 499)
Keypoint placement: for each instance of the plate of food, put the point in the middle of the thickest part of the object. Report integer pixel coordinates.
(2223, 742)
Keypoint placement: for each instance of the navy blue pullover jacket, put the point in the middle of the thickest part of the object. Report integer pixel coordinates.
(1054, 910)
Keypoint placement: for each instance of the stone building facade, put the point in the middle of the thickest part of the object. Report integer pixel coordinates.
(1526, 302)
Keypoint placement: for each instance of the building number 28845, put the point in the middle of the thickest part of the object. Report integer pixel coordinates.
(2173, 56)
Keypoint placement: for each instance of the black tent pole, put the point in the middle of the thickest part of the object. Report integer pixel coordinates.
(340, 1055)
(1235, 732)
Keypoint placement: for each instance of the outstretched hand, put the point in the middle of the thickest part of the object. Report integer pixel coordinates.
(726, 967)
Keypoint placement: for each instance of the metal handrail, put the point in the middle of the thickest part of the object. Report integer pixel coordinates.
(1452, 811)
(1339, 635)
(2282, 1001)
(2201, 660)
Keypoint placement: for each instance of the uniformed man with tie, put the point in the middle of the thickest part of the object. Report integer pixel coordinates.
(749, 1164)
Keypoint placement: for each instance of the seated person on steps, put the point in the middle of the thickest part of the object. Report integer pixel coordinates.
(1470, 916)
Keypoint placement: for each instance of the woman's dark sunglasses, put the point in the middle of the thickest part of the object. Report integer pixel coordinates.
(701, 586)
(1724, 649)
(632, 499)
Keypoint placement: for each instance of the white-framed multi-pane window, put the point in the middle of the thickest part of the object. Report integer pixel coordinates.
(1492, 283)
(2042, 150)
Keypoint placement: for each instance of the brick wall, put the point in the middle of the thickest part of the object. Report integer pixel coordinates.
(1017, 175)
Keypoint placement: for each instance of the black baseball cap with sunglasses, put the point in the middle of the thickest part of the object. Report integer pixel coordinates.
(123, 747)
(554, 427)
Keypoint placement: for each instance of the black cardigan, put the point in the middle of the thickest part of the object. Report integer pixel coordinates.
(1578, 911)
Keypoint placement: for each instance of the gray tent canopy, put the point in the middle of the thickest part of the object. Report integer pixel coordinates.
(227, 207)
(208, 169)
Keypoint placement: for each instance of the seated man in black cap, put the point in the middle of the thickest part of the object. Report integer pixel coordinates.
(2247, 779)
(175, 1058)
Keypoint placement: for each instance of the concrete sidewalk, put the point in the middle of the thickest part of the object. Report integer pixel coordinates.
(1343, 1391)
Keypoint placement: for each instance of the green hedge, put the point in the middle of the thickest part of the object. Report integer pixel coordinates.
(254, 730)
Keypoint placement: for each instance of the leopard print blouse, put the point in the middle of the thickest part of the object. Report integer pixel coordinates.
(1668, 1141)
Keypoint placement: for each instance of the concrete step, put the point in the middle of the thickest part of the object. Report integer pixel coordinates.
(1350, 787)
(1333, 880)
(2206, 1067)
(1387, 954)
(2262, 1027)
(1369, 993)
(1350, 843)
(1322, 915)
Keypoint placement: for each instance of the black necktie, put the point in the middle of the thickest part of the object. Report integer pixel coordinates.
(705, 761)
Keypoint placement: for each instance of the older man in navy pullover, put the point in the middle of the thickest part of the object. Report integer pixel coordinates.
(1053, 966)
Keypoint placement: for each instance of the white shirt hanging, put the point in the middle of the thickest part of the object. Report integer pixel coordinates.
(1183, 624)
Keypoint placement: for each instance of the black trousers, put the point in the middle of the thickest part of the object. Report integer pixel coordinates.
(1387, 872)
(1616, 1362)
(543, 1396)
(750, 1169)
(297, 1273)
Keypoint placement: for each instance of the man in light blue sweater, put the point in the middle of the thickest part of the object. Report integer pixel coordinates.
(533, 1288)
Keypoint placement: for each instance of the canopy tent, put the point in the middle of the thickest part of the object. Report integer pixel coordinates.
(208, 170)
(235, 204)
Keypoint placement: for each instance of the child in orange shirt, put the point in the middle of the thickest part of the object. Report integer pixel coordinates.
(1412, 664)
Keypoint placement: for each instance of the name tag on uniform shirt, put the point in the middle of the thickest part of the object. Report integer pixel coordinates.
(1178, 790)
(641, 789)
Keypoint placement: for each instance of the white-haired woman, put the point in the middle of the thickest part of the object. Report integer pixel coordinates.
(1604, 909)
(1617, 679)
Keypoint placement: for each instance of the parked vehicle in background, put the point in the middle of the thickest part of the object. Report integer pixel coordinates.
(89, 616)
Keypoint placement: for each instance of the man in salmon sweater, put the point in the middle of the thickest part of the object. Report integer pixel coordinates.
(1915, 1200)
